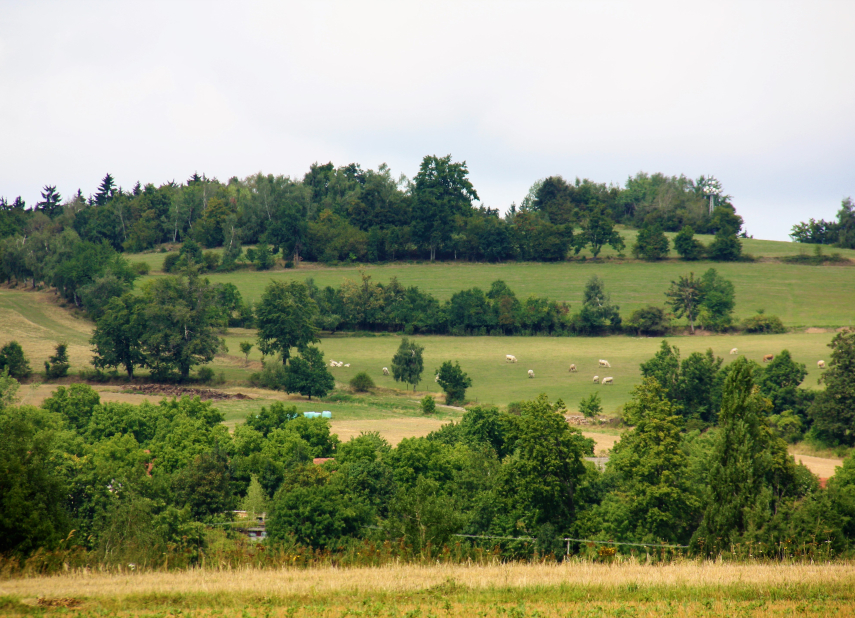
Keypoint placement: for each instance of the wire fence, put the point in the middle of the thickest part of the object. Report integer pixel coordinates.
(569, 540)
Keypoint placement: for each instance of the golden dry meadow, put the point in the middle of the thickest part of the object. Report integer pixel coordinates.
(571, 588)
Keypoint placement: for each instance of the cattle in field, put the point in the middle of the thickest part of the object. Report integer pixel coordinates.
(385, 371)
(510, 358)
(734, 351)
(436, 378)
(596, 379)
(768, 358)
(820, 364)
(572, 368)
(608, 380)
(604, 363)
(333, 363)
(531, 373)
(347, 364)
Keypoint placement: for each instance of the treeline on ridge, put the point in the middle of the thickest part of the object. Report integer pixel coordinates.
(350, 214)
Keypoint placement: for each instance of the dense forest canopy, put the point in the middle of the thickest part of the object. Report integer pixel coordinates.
(347, 213)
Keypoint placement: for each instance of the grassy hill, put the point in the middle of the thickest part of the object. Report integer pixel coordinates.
(38, 324)
(802, 296)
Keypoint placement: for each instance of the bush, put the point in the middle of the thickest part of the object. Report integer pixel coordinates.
(205, 375)
(57, 365)
(762, 323)
(170, 262)
(361, 382)
(272, 376)
(649, 320)
(650, 244)
(12, 358)
(686, 245)
(211, 260)
(141, 268)
(428, 405)
(591, 406)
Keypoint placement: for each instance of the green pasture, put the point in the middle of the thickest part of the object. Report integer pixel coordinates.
(38, 324)
(497, 382)
(802, 296)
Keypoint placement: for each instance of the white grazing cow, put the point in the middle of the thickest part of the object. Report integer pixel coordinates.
(572, 368)
(820, 364)
(510, 358)
(436, 378)
(333, 363)
(605, 363)
(347, 364)
(531, 373)
(608, 380)
(596, 379)
(385, 371)
(734, 351)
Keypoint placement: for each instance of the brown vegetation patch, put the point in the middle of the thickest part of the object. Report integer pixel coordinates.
(392, 429)
(67, 602)
(815, 331)
(184, 391)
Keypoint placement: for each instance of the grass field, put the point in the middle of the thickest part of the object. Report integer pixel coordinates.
(38, 324)
(572, 588)
(802, 296)
(495, 381)
(789, 291)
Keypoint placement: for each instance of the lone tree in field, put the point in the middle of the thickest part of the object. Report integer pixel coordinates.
(308, 374)
(685, 297)
(246, 348)
(453, 381)
(286, 318)
(407, 364)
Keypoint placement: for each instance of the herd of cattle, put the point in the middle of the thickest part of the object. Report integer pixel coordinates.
(510, 358)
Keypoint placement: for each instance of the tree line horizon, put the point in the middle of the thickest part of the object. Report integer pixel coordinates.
(350, 214)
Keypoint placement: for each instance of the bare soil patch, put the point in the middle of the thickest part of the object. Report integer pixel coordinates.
(821, 466)
(168, 390)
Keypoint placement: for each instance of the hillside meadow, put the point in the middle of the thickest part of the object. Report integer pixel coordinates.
(573, 588)
(38, 324)
(801, 295)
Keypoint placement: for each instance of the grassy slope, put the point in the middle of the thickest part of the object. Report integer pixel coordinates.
(803, 296)
(498, 382)
(37, 324)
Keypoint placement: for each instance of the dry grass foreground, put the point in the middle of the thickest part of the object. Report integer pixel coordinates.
(689, 588)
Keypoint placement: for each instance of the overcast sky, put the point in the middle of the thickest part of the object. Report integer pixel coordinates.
(759, 94)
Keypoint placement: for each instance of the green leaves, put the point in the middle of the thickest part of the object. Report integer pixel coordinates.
(454, 381)
(285, 317)
(408, 364)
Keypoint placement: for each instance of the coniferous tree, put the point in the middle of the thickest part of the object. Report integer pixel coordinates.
(105, 190)
(652, 500)
(749, 468)
(833, 410)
